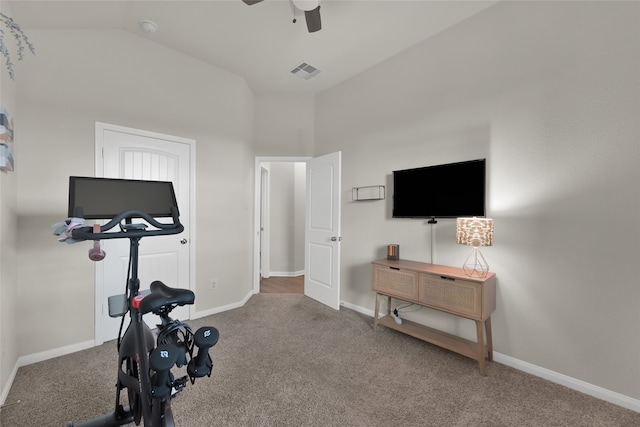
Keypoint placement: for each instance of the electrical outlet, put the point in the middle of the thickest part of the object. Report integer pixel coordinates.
(214, 283)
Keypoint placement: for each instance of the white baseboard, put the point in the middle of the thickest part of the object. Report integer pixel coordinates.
(50, 354)
(286, 273)
(357, 308)
(569, 382)
(216, 310)
(40, 357)
(56, 352)
(554, 377)
(7, 386)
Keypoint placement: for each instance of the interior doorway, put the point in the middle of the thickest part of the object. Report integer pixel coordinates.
(280, 230)
(275, 221)
(322, 200)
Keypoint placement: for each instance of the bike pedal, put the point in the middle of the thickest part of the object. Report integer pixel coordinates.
(179, 385)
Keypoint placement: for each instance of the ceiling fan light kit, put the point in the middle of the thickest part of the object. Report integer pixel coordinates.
(306, 5)
(311, 9)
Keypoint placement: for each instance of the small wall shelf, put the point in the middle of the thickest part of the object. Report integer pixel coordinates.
(372, 192)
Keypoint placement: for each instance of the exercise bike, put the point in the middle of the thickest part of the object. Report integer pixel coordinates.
(144, 360)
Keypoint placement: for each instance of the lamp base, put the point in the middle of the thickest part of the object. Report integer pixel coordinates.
(475, 264)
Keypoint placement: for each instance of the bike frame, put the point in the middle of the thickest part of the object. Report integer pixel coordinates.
(136, 344)
(138, 340)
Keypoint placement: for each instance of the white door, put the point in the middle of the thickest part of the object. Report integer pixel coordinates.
(322, 230)
(133, 154)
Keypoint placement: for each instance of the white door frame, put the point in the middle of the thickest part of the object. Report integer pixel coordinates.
(257, 206)
(99, 172)
(265, 230)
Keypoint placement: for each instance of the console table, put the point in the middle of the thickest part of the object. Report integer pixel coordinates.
(442, 288)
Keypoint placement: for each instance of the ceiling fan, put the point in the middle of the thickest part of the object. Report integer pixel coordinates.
(311, 10)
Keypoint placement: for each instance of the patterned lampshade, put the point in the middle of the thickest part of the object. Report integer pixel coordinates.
(474, 232)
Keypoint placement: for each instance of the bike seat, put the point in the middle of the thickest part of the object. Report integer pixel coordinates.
(162, 296)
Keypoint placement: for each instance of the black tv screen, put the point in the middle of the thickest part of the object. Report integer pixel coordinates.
(443, 191)
(105, 198)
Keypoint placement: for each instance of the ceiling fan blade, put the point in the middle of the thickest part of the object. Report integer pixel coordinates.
(313, 19)
(250, 2)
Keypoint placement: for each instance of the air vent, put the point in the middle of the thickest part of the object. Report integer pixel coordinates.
(305, 71)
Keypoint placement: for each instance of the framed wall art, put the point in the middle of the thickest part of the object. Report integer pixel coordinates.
(7, 160)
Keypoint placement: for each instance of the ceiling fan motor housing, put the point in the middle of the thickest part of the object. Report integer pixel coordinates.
(311, 9)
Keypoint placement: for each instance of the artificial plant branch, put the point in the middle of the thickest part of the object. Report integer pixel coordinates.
(21, 41)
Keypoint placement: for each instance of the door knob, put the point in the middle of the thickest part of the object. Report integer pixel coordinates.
(184, 241)
(336, 239)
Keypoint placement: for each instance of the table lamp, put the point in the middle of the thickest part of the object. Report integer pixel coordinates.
(475, 232)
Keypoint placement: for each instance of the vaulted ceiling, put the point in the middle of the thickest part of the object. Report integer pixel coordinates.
(260, 42)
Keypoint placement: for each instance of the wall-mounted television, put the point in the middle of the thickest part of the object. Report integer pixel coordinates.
(442, 191)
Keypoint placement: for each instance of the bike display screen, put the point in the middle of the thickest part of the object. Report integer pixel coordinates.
(105, 198)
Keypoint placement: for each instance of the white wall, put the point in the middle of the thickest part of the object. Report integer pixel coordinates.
(549, 93)
(78, 78)
(299, 205)
(281, 217)
(8, 226)
(287, 204)
(284, 125)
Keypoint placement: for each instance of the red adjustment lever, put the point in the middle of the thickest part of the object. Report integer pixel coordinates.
(136, 301)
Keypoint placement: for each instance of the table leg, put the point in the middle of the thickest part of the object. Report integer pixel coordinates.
(481, 352)
(487, 328)
(375, 316)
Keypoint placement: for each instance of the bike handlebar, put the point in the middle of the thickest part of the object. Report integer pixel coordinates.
(86, 233)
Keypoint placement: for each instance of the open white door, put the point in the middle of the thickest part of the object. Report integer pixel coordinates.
(322, 230)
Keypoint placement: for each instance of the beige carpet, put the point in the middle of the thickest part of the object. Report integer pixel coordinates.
(285, 360)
